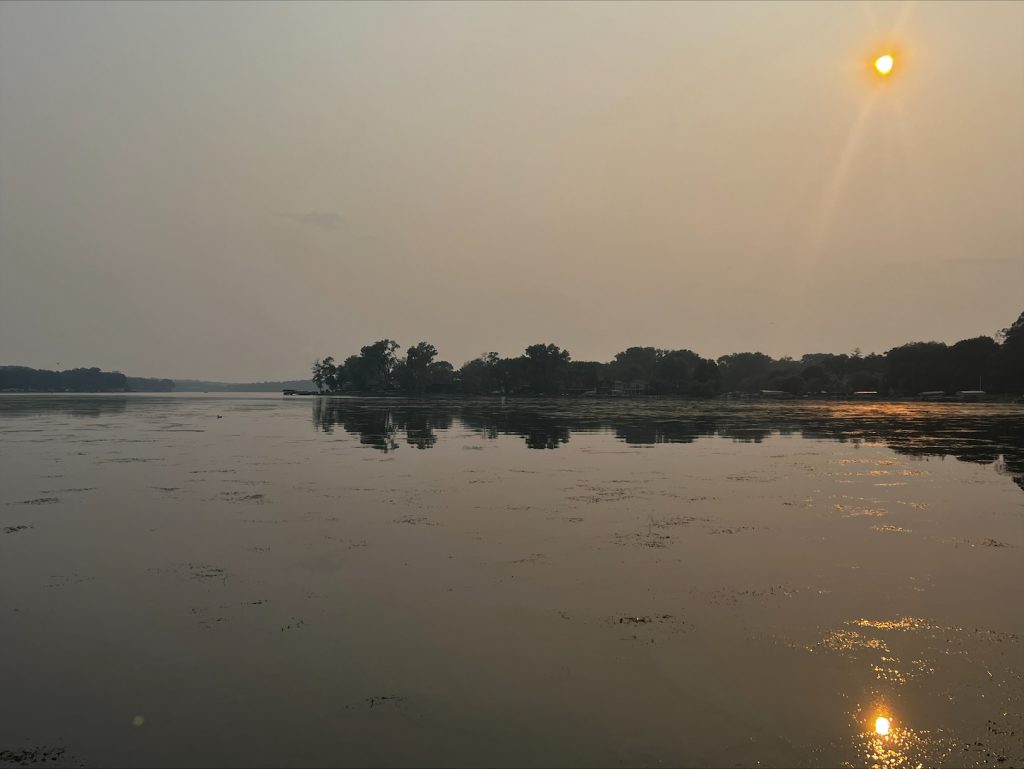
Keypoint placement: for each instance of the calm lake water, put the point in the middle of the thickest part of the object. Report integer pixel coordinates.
(265, 581)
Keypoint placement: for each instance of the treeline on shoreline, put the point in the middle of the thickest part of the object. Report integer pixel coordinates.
(93, 380)
(995, 365)
(83, 380)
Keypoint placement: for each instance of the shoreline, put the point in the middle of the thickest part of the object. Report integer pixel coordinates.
(1001, 398)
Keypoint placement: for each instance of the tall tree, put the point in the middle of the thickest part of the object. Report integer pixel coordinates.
(327, 376)
(972, 363)
(745, 371)
(635, 363)
(675, 370)
(419, 361)
(318, 375)
(334, 375)
(357, 372)
(918, 366)
(1011, 356)
(546, 366)
(379, 360)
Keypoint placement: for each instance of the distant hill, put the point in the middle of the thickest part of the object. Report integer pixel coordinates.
(201, 385)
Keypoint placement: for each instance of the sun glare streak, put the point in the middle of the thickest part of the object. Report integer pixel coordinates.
(905, 10)
(904, 129)
(822, 223)
(917, 198)
(904, 17)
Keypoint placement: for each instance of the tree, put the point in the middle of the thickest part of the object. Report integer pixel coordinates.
(378, 362)
(471, 376)
(790, 383)
(480, 375)
(832, 368)
(511, 374)
(585, 375)
(442, 377)
(918, 366)
(335, 375)
(972, 362)
(327, 376)
(419, 361)
(706, 378)
(635, 364)
(1011, 356)
(546, 367)
(356, 372)
(674, 372)
(743, 371)
(815, 378)
(864, 380)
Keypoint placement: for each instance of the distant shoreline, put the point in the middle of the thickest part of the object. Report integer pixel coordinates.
(978, 369)
(999, 398)
(740, 398)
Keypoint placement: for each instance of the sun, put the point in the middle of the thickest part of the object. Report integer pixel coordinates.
(884, 64)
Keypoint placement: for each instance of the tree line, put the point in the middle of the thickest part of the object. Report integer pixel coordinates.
(87, 380)
(995, 365)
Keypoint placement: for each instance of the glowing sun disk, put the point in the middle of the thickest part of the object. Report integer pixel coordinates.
(882, 725)
(884, 64)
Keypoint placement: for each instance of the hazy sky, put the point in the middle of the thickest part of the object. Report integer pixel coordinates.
(230, 190)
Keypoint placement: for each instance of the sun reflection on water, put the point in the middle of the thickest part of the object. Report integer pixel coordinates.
(887, 744)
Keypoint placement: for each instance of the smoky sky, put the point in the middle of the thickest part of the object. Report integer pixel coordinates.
(228, 191)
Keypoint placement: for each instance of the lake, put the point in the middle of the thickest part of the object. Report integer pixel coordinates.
(247, 579)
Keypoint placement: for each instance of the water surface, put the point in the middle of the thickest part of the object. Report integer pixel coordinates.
(257, 580)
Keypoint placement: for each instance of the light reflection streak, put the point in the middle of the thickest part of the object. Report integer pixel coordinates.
(818, 234)
(901, 20)
(884, 742)
(834, 187)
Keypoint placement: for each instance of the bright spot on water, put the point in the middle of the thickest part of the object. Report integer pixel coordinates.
(882, 725)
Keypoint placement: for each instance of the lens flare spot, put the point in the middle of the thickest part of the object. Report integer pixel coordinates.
(884, 64)
(882, 726)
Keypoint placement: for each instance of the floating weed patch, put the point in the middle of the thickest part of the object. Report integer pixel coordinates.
(888, 528)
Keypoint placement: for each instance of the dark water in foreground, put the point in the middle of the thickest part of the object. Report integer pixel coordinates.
(247, 580)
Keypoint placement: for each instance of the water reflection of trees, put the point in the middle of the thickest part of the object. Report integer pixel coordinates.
(540, 430)
(985, 435)
(378, 426)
